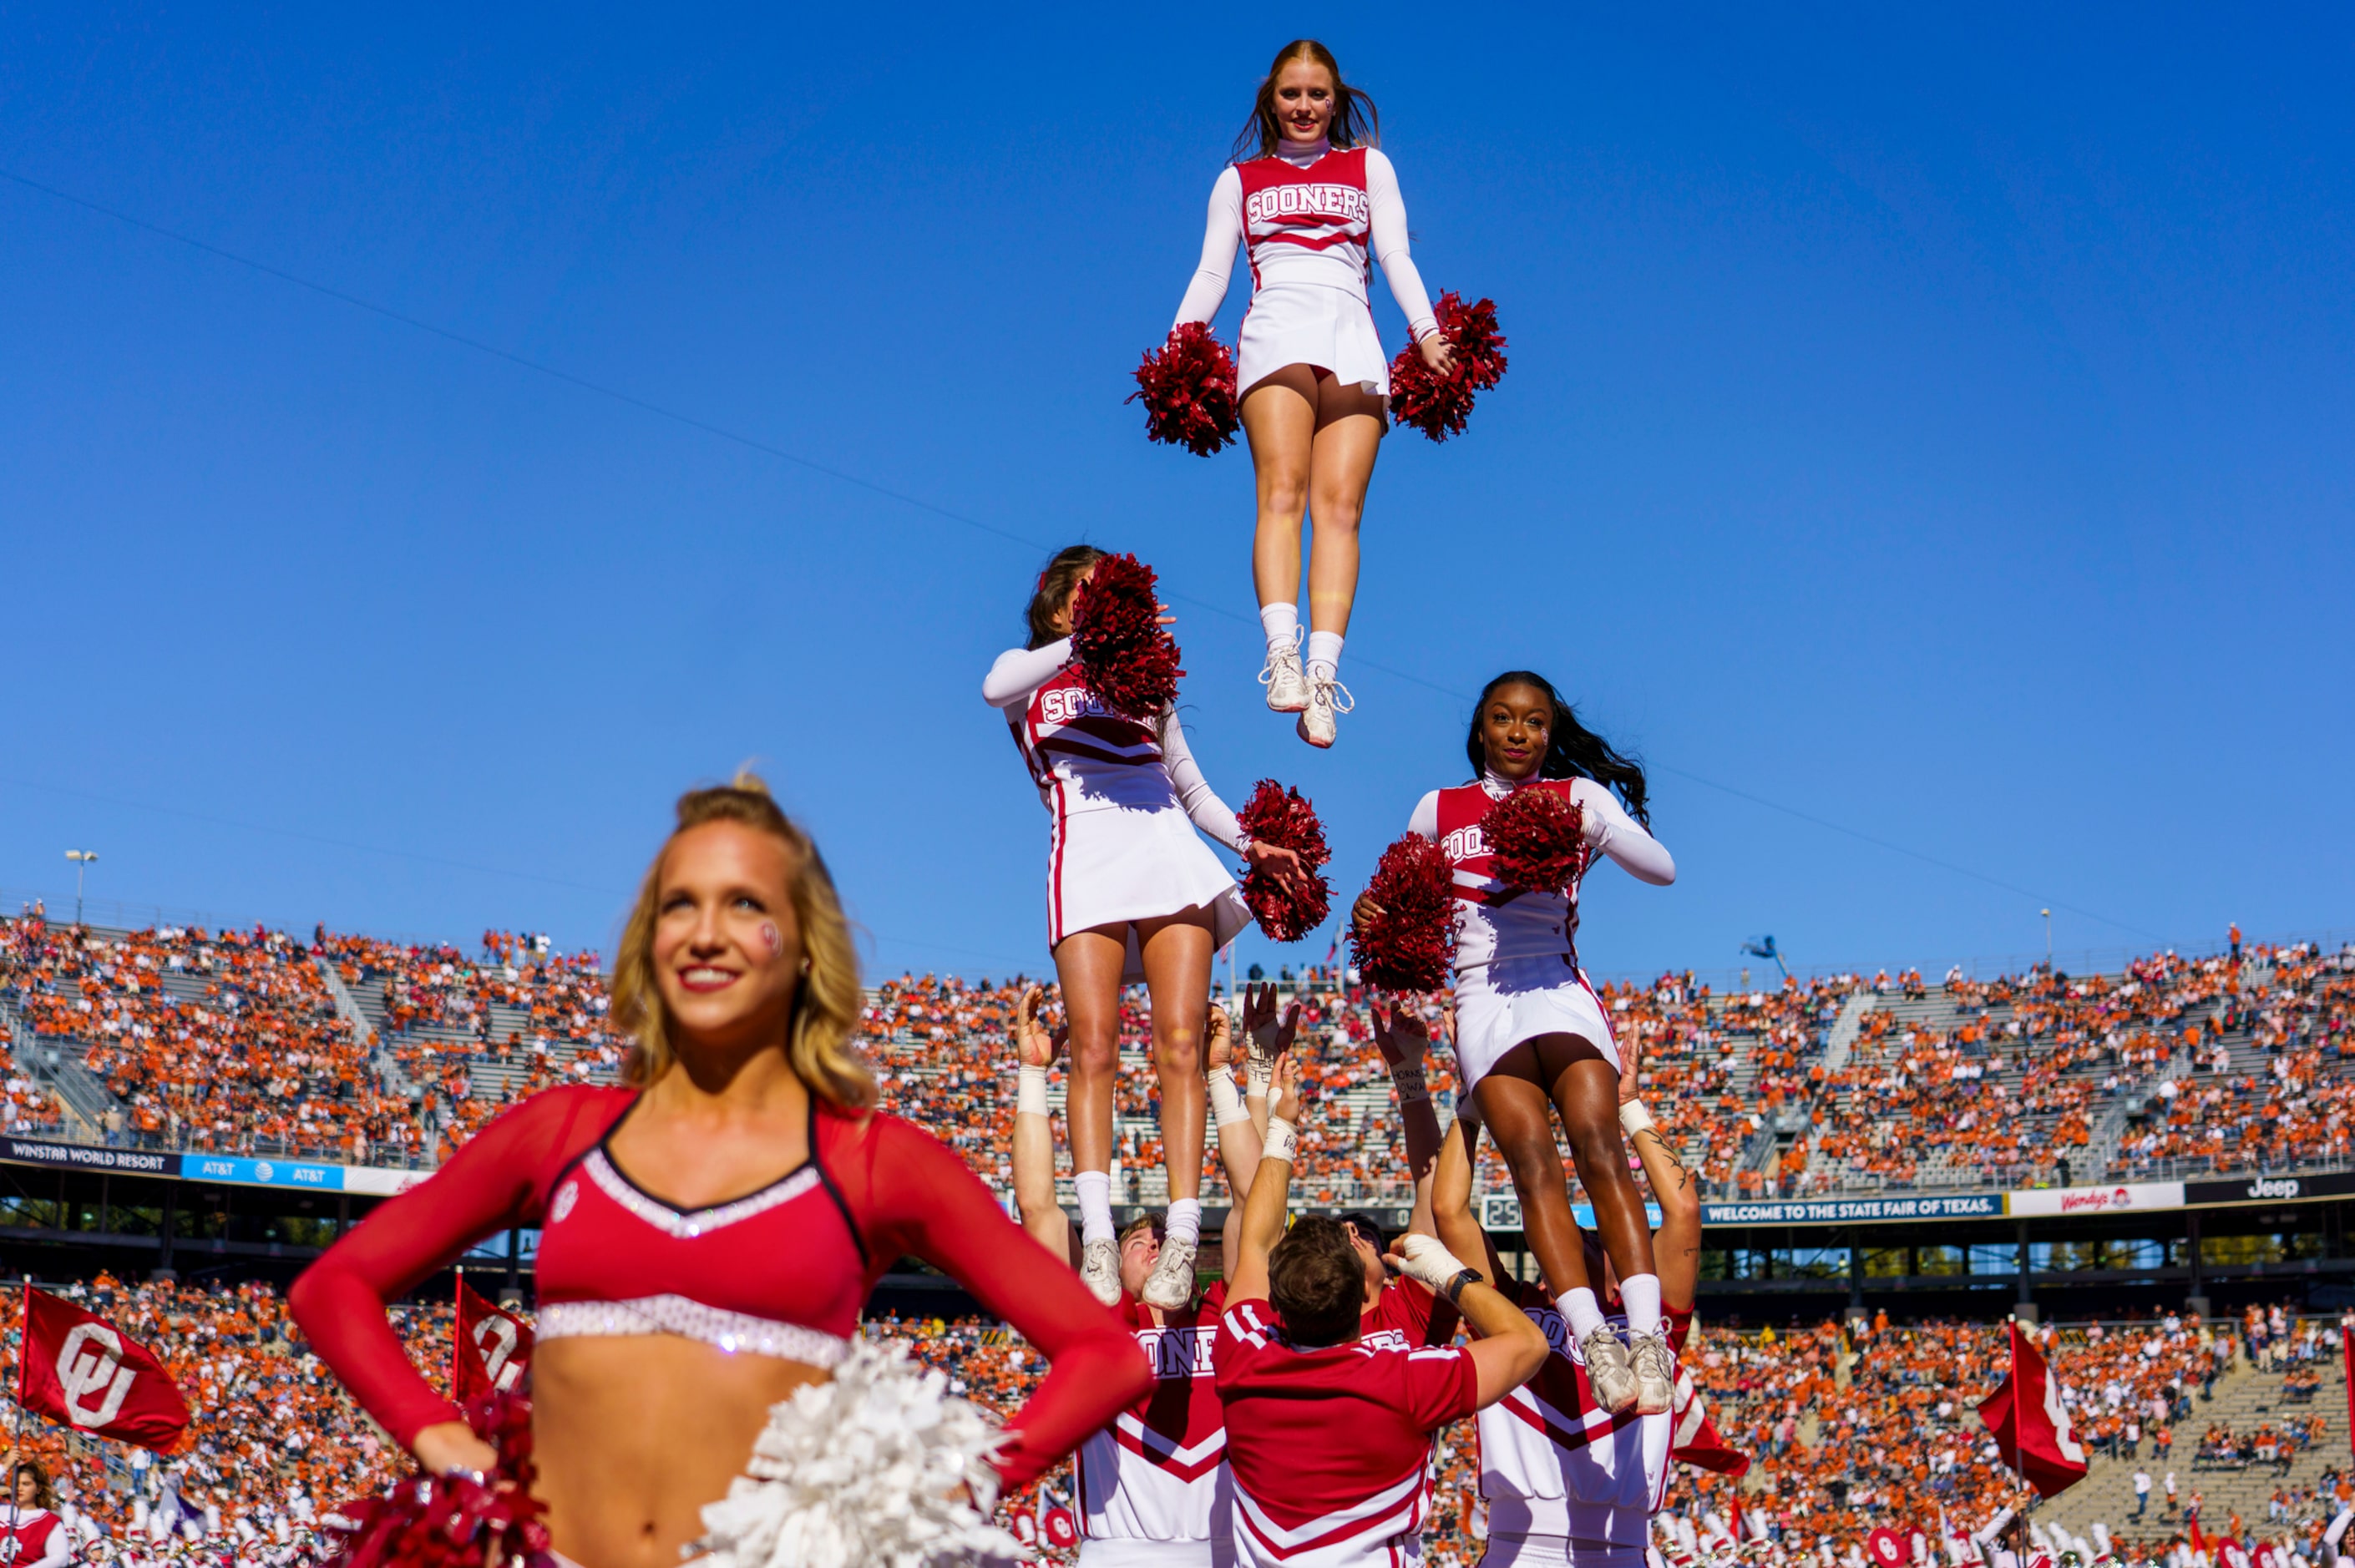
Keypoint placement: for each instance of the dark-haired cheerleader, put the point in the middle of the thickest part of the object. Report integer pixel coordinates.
(1132, 894)
(1316, 201)
(1531, 1038)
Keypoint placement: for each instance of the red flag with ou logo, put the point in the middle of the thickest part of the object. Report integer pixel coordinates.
(1694, 1440)
(491, 1350)
(2026, 1415)
(79, 1369)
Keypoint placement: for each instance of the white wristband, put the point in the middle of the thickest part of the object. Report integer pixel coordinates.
(1030, 1091)
(1280, 1140)
(1226, 1106)
(1634, 1118)
(1412, 1086)
(1261, 1072)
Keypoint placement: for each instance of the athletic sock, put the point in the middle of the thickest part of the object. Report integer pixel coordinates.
(1323, 652)
(1282, 624)
(1584, 1314)
(1641, 1295)
(1093, 1189)
(1185, 1221)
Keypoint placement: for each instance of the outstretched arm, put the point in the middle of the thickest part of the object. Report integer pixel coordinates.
(1222, 233)
(1510, 1348)
(1387, 238)
(1676, 1245)
(1452, 1219)
(1034, 1132)
(1403, 1042)
(1240, 1142)
(1271, 1193)
(1610, 831)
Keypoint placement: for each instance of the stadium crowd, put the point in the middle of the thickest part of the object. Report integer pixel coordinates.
(1850, 1427)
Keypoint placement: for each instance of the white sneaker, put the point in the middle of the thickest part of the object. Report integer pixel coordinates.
(1609, 1372)
(1100, 1270)
(1656, 1372)
(1170, 1286)
(1328, 700)
(1286, 681)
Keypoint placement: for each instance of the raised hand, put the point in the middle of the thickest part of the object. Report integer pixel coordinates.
(1287, 1090)
(1399, 1036)
(1218, 1039)
(1270, 1026)
(1035, 1044)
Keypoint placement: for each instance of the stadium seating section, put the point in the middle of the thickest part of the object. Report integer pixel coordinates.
(1849, 1428)
(371, 1052)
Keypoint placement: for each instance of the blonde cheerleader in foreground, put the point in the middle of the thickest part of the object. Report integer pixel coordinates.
(1312, 196)
(1132, 894)
(709, 1233)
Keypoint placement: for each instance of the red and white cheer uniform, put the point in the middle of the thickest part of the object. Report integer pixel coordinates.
(1564, 1479)
(1330, 1446)
(34, 1538)
(779, 1272)
(1516, 974)
(1125, 797)
(1153, 1491)
(1314, 219)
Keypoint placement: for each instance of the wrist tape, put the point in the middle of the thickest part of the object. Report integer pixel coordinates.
(1030, 1091)
(1280, 1141)
(1634, 1118)
(1411, 1087)
(1226, 1106)
(1261, 1072)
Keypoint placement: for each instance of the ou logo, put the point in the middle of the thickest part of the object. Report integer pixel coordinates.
(98, 1373)
(495, 1338)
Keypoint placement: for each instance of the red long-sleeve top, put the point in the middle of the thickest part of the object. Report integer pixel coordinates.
(783, 1270)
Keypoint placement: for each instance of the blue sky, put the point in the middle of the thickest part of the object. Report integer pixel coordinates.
(1939, 427)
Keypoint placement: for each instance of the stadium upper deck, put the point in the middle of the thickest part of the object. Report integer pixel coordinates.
(349, 1049)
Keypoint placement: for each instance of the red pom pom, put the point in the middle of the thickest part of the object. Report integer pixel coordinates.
(1436, 405)
(1124, 655)
(1410, 943)
(1536, 840)
(1286, 908)
(1189, 387)
(452, 1521)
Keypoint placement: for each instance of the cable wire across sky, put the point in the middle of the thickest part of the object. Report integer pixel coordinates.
(904, 498)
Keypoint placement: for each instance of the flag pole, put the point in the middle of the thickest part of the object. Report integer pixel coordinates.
(16, 1400)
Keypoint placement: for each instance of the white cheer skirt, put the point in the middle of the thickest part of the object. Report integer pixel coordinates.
(1116, 865)
(1507, 1000)
(1307, 323)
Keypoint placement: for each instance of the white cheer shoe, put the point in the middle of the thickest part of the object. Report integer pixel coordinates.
(1328, 700)
(1285, 680)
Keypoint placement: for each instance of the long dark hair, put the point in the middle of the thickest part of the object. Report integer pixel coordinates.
(1572, 750)
(1055, 584)
(1356, 122)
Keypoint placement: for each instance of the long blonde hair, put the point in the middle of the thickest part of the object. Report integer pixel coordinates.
(827, 1002)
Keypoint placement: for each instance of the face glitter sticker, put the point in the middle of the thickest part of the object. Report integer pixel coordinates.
(768, 934)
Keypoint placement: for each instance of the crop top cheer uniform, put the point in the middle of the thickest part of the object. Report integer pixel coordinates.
(781, 1272)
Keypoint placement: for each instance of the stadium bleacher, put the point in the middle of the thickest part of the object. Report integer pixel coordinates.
(348, 1048)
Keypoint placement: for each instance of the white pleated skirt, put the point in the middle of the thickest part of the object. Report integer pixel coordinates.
(1306, 323)
(1116, 865)
(1507, 1000)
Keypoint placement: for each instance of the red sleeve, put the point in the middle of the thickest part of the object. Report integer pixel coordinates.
(495, 1182)
(913, 1196)
(1442, 1385)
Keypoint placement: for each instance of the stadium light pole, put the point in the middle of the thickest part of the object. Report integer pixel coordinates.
(83, 860)
(2048, 943)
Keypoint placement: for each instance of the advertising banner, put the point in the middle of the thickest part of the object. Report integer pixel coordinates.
(88, 1157)
(2271, 1189)
(2133, 1197)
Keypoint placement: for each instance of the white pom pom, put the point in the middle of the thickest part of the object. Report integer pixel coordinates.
(863, 1471)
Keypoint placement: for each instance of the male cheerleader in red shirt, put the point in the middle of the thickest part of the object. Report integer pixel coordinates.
(1328, 1434)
